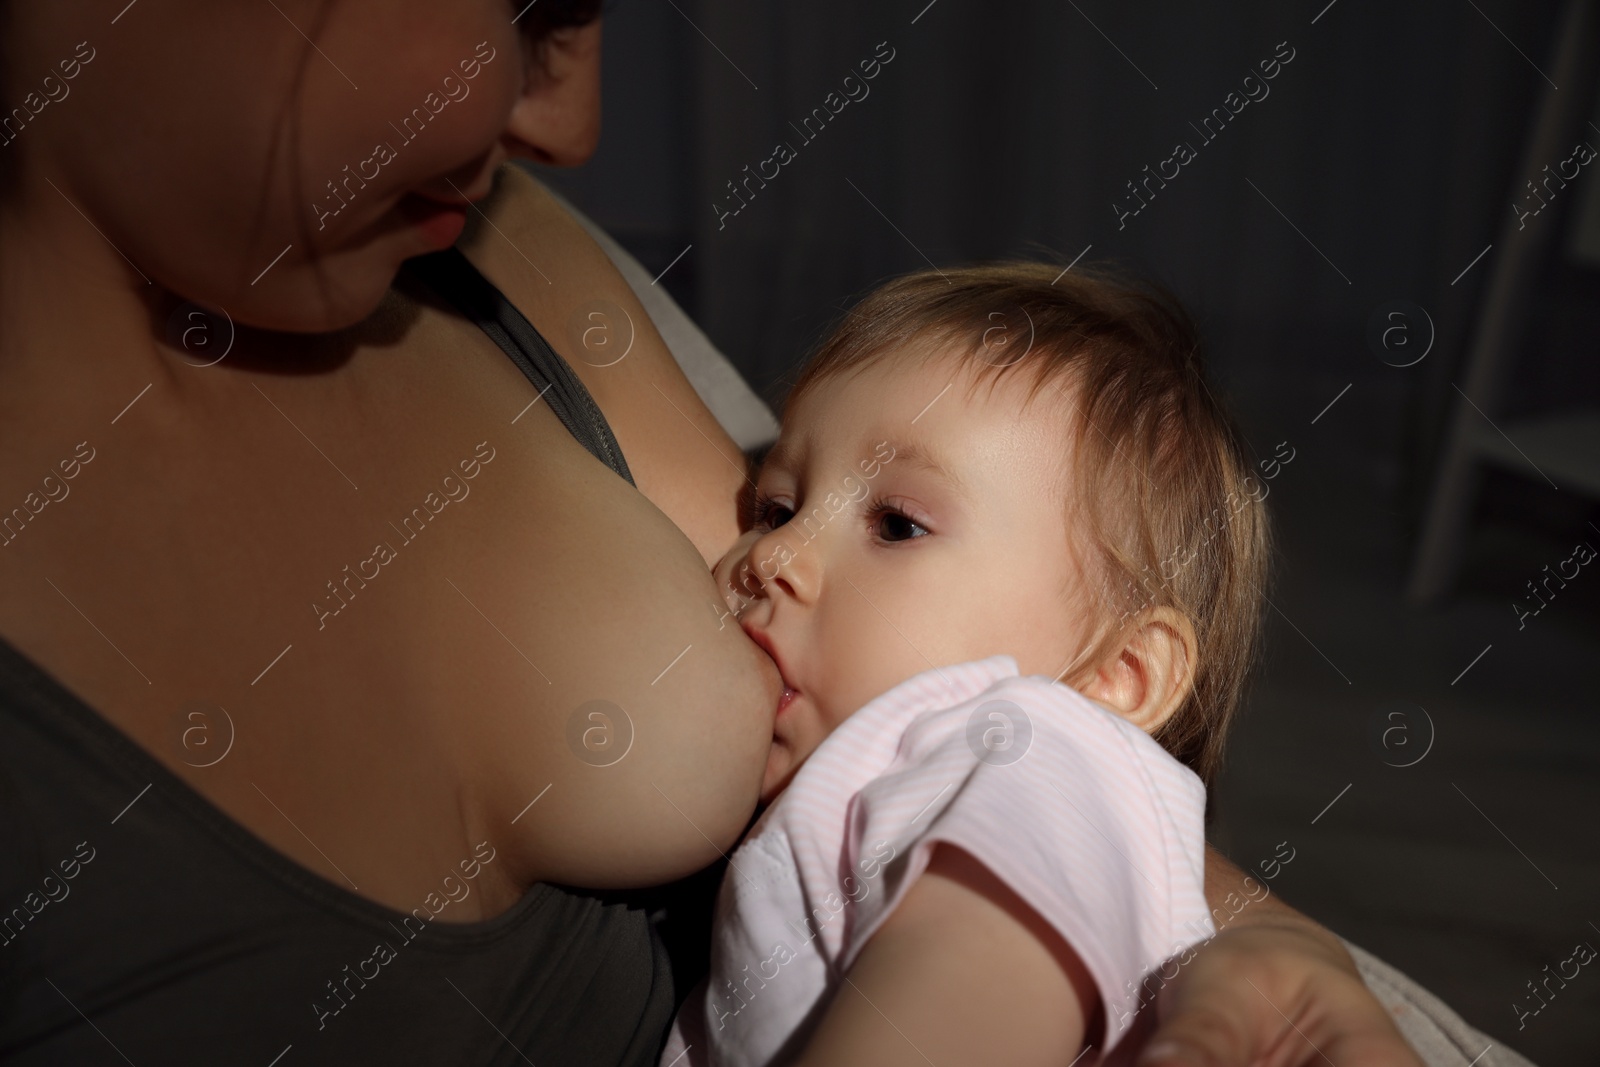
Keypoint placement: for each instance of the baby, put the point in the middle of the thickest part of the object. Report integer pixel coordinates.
(1012, 487)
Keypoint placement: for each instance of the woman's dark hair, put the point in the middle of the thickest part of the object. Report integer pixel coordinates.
(545, 17)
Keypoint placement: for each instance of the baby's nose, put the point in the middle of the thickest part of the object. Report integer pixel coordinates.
(736, 578)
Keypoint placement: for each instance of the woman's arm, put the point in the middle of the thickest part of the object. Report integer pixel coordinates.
(1272, 988)
(962, 971)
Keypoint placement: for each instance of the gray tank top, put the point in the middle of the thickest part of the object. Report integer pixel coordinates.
(139, 924)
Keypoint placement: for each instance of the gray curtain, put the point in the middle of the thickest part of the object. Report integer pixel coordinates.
(1007, 129)
(1388, 142)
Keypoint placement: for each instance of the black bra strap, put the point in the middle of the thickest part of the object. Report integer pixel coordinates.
(451, 275)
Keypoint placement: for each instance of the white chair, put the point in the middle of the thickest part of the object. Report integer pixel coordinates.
(1561, 447)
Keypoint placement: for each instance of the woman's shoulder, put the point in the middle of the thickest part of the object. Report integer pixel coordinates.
(552, 270)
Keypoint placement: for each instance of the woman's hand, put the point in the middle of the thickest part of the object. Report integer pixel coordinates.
(1278, 993)
(1272, 989)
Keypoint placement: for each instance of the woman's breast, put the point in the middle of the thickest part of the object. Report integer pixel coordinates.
(569, 643)
(426, 616)
(557, 640)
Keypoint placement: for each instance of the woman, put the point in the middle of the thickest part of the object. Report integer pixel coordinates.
(328, 644)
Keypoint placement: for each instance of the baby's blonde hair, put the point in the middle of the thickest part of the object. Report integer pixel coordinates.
(1160, 468)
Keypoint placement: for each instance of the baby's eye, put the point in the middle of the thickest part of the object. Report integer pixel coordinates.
(891, 525)
(768, 513)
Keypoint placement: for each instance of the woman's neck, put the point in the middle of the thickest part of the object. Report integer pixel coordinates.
(85, 332)
(76, 335)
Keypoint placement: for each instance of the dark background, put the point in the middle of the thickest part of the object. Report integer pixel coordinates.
(1386, 157)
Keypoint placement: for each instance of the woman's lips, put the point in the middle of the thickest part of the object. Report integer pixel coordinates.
(441, 223)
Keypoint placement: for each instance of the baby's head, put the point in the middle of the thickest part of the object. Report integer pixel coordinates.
(1006, 459)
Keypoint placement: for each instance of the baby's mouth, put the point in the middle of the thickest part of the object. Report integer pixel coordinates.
(765, 642)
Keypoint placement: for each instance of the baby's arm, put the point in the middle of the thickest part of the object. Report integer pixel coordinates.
(962, 971)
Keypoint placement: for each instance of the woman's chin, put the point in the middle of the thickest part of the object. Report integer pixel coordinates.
(341, 289)
(302, 306)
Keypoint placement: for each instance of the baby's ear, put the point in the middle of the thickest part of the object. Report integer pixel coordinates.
(1151, 672)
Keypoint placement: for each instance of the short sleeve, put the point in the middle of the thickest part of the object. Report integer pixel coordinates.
(1075, 809)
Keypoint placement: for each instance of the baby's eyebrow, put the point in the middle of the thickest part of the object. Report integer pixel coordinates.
(919, 455)
(912, 453)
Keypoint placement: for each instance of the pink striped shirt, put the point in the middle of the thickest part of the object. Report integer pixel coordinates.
(1074, 808)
